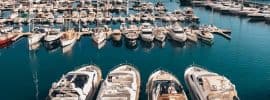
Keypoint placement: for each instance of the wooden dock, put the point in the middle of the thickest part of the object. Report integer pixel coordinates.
(222, 33)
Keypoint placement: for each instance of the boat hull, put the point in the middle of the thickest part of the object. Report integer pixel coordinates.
(116, 37)
(6, 40)
(51, 45)
(35, 38)
(147, 38)
(178, 38)
(67, 42)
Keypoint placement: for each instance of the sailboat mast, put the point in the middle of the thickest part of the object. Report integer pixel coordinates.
(242, 5)
(29, 13)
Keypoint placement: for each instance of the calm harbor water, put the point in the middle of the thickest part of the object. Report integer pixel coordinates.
(244, 60)
(262, 1)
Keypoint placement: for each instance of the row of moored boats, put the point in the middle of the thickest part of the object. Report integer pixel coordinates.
(255, 13)
(124, 83)
(54, 37)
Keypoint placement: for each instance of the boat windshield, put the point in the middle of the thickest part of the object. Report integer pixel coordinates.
(64, 93)
(168, 87)
(79, 80)
(147, 32)
(178, 31)
(53, 33)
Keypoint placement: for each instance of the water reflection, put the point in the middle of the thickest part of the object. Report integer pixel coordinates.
(147, 46)
(34, 69)
(131, 44)
(68, 49)
(34, 47)
(176, 44)
(99, 45)
(53, 45)
(117, 43)
(160, 44)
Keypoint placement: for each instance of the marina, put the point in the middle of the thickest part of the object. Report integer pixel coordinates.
(41, 53)
(62, 25)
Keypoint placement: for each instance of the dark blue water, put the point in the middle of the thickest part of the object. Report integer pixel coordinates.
(261, 1)
(244, 60)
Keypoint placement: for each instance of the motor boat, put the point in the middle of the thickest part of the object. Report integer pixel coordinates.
(122, 83)
(177, 33)
(160, 34)
(116, 35)
(99, 35)
(147, 32)
(163, 85)
(132, 33)
(52, 35)
(69, 37)
(36, 36)
(206, 85)
(52, 39)
(80, 84)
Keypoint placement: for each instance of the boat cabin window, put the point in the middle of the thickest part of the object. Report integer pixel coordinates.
(109, 78)
(80, 80)
(178, 31)
(53, 33)
(191, 76)
(168, 87)
(69, 77)
(40, 30)
(147, 32)
(57, 93)
(200, 81)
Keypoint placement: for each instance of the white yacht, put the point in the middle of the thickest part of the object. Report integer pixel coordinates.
(256, 16)
(191, 36)
(69, 37)
(36, 36)
(122, 83)
(247, 10)
(205, 35)
(147, 32)
(177, 33)
(162, 85)
(116, 35)
(99, 35)
(80, 84)
(132, 32)
(160, 34)
(52, 35)
(205, 85)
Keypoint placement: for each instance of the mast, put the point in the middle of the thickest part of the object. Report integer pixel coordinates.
(29, 13)
(127, 7)
(79, 20)
(242, 5)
